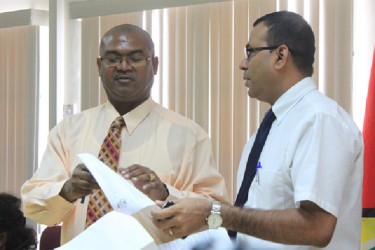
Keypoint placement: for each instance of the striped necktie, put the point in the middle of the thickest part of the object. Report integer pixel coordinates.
(109, 154)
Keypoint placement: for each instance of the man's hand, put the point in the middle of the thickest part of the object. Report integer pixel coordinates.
(80, 184)
(185, 217)
(145, 180)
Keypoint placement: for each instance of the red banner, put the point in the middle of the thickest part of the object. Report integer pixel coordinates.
(369, 142)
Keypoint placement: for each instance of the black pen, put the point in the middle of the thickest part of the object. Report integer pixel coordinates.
(83, 199)
(168, 204)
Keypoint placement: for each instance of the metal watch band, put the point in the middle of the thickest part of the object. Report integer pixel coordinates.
(216, 207)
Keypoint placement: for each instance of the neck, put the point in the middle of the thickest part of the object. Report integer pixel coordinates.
(125, 107)
(283, 86)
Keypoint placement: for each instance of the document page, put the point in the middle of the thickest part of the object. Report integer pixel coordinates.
(208, 239)
(119, 230)
(121, 193)
(110, 233)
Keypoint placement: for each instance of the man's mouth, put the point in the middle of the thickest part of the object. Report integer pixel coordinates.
(246, 77)
(123, 78)
(247, 80)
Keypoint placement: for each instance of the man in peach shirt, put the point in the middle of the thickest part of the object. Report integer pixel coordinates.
(176, 151)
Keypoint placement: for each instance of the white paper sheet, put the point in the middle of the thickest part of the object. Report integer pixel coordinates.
(209, 239)
(121, 194)
(113, 231)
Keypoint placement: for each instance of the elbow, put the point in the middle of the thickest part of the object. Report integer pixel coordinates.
(323, 241)
(325, 236)
(321, 224)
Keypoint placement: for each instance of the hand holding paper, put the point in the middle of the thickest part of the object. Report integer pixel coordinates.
(121, 194)
(120, 231)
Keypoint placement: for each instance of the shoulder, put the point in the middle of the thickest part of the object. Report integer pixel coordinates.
(180, 122)
(81, 119)
(323, 106)
(320, 112)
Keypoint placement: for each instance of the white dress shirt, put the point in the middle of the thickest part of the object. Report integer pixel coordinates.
(314, 152)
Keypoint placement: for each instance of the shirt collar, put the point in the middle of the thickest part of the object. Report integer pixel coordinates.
(135, 116)
(291, 97)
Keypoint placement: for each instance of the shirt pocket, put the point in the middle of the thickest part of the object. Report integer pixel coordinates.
(266, 190)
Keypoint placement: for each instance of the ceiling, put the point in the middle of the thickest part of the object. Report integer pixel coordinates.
(36, 12)
(14, 5)
(89, 8)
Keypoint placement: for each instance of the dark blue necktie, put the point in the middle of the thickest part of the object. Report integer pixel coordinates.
(252, 161)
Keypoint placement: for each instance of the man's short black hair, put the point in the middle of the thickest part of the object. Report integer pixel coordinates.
(292, 30)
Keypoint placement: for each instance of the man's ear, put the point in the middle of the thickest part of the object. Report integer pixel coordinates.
(282, 54)
(99, 64)
(155, 64)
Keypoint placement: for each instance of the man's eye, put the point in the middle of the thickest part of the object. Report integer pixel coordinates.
(135, 59)
(113, 59)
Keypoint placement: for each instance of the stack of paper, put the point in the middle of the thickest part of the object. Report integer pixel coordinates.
(110, 233)
(118, 229)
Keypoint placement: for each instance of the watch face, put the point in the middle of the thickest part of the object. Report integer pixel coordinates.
(214, 221)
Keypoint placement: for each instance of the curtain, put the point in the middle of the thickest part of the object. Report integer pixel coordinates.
(200, 48)
(18, 106)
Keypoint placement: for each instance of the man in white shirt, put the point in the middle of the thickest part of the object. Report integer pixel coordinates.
(306, 193)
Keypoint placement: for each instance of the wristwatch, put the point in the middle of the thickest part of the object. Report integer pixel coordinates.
(214, 220)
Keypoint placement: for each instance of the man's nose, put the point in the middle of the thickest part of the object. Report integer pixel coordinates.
(124, 64)
(244, 64)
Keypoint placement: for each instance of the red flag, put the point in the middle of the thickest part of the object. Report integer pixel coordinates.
(368, 202)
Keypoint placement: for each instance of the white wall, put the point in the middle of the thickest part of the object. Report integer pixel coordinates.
(14, 5)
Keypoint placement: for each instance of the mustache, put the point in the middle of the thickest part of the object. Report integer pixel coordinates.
(123, 75)
(246, 77)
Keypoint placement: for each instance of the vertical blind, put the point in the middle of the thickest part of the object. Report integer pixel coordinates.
(18, 106)
(200, 48)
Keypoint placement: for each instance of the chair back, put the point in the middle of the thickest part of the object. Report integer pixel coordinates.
(50, 238)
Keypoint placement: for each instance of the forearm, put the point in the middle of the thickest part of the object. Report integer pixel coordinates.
(196, 180)
(197, 192)
(44, 207)
(290, 226)
(199, 175)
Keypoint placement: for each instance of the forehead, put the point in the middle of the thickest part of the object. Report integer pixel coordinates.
(124, 41)
(258, 36)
